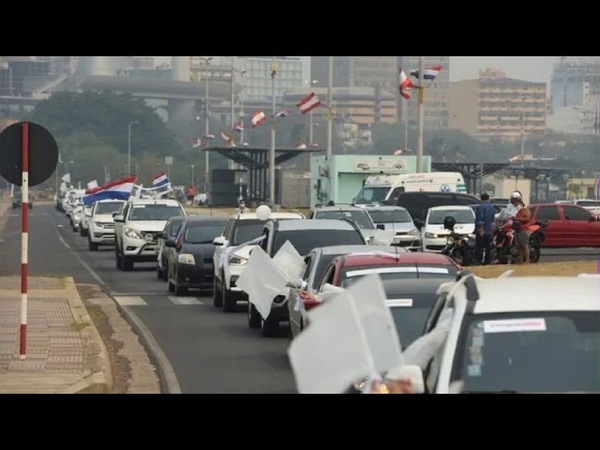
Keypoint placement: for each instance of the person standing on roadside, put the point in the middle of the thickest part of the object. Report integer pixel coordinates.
(521, 223)
(484, 228)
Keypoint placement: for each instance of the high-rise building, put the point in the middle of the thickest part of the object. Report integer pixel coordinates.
(356, 71)
(257, 79)
(497, 106)
(574, 83)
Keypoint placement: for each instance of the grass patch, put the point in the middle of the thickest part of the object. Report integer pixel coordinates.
(95, 312)
(79, 326)
(570, 268)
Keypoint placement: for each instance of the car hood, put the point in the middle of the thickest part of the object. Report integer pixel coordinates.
(103, 218)
(460, 228)
(200, 250)
(147, 225)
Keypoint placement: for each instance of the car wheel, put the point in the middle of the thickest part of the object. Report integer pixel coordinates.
(227, 301)
(126, 263)
(159, 272)
(253, 316)
(92, 246)
(269, 327)
(534, 251)
(118, 260)
(217, 299)
(171, 286)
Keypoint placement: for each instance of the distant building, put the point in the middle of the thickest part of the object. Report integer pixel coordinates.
(497, 106)
(574, 83)
(143, 62)
(574, 119)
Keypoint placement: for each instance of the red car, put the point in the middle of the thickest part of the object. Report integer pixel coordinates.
(343, 270)
(567, 225)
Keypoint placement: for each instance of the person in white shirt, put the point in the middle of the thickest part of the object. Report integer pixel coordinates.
(515, 203)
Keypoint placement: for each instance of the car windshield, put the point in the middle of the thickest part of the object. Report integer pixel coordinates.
(108, 207)
(360, 217)
(202, 233)
(410, 313)
(174, 226)
(436, 217)
(247, 230)
(542, 352)
(371, 195)
(390, 215)
(154, 212)
(305, 240)
(398, 271)
(592, 203)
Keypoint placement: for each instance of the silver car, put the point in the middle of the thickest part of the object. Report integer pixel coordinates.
(316, 262)
(398, 219)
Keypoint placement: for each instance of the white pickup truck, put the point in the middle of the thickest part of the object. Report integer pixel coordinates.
(591, 205)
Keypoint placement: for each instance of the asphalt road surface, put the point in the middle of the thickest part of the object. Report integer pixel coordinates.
(202, 349)
(199, 348)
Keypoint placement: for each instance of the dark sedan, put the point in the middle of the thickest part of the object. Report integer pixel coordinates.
(190, 264)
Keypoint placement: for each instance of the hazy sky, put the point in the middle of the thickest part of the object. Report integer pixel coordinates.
(530, 68)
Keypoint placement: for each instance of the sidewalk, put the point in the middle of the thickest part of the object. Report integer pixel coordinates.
(64, 353)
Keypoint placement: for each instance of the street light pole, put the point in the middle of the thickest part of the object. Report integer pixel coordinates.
(193, 184)
(206, 123)
(274, 70)
(522, 131)
(310, 116)
(421, 124)
(330, 109)
(133, 122)
(242, 114)
(230, 163)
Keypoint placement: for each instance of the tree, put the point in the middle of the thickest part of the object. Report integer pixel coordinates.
(106, 115)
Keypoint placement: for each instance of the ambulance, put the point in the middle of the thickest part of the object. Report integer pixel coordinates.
(379, 188)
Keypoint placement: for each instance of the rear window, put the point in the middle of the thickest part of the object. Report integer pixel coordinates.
(362, 218)
(390, 216)
(418, 204)
(305, 240)
(398, 271)
(173, 227)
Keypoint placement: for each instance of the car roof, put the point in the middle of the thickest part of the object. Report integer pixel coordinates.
(385, 208)
(321, 224)
(537, 293)
(152, 201)
(207, 219)
(451, 207)
(376, 257)
(273, 215)
(338, 208)
(110, 200)
(345, 249)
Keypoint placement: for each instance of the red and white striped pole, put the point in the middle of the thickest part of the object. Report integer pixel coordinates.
(24, 235)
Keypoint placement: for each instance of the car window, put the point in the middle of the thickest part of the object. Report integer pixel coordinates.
(436, 217)
(247, 230)
(107, 207)
(548, 213)
(361, 217)
(410, 314)
(174, 226)
(306, 240)
(575, 213)
(350, 275)
(389, 216)
(328, 276)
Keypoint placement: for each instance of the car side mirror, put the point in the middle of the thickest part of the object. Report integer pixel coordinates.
(594, 218)
(170, 243)
(219, 241)
(119, 218)
(418, 223)
(380, 226)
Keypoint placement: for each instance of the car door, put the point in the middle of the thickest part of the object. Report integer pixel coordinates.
(227, 234)
(295, 315)
(582, 230)
(328, 277)
(555, 232)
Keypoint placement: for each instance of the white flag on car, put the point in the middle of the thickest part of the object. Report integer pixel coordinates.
(352, 336)
(262, 280)
(290, 261)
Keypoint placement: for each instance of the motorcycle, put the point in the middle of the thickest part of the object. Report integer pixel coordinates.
(504, 245)
(459, 247)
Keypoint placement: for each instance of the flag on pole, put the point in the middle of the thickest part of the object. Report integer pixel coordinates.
(116, 190)
(239, 128)
(66, 178)
(283, 113)
(309, 103)
(196, 143)
(301, 147)
(429, 73)
(160, 180)
(258, 118)
(405, 85)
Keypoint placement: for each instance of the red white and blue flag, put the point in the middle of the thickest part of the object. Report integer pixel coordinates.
(160, 180)
(115, 190)
(239, 128)
(258, 118)
(429, 73)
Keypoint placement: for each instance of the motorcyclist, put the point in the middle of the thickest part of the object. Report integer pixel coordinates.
(516, 199)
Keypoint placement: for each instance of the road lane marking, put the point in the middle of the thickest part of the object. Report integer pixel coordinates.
(85, 265)
(185, 300)
(130, 301)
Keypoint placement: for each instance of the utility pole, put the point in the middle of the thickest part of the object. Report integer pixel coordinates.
(330, 109)
(206, 124)
(230, 163)
(274, 69)
(421, 124)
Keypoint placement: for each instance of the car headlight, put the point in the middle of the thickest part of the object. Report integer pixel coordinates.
(413, 232)
(98, 225)
(131, 233)
(238, 261)
(429, 235)
(186, 258)
(449, 240)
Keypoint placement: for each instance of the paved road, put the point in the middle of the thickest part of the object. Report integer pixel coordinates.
(209, 351)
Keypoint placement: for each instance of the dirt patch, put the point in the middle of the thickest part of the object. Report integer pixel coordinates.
(120, 367)
(571, 268)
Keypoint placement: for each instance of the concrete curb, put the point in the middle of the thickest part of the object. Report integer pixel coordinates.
(99, 378)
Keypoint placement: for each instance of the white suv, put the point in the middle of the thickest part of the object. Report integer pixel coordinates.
(240, 228)
(101, 225)
(137, 227)
(512, 335)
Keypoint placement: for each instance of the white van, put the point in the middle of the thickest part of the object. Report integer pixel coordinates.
(378, 188)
